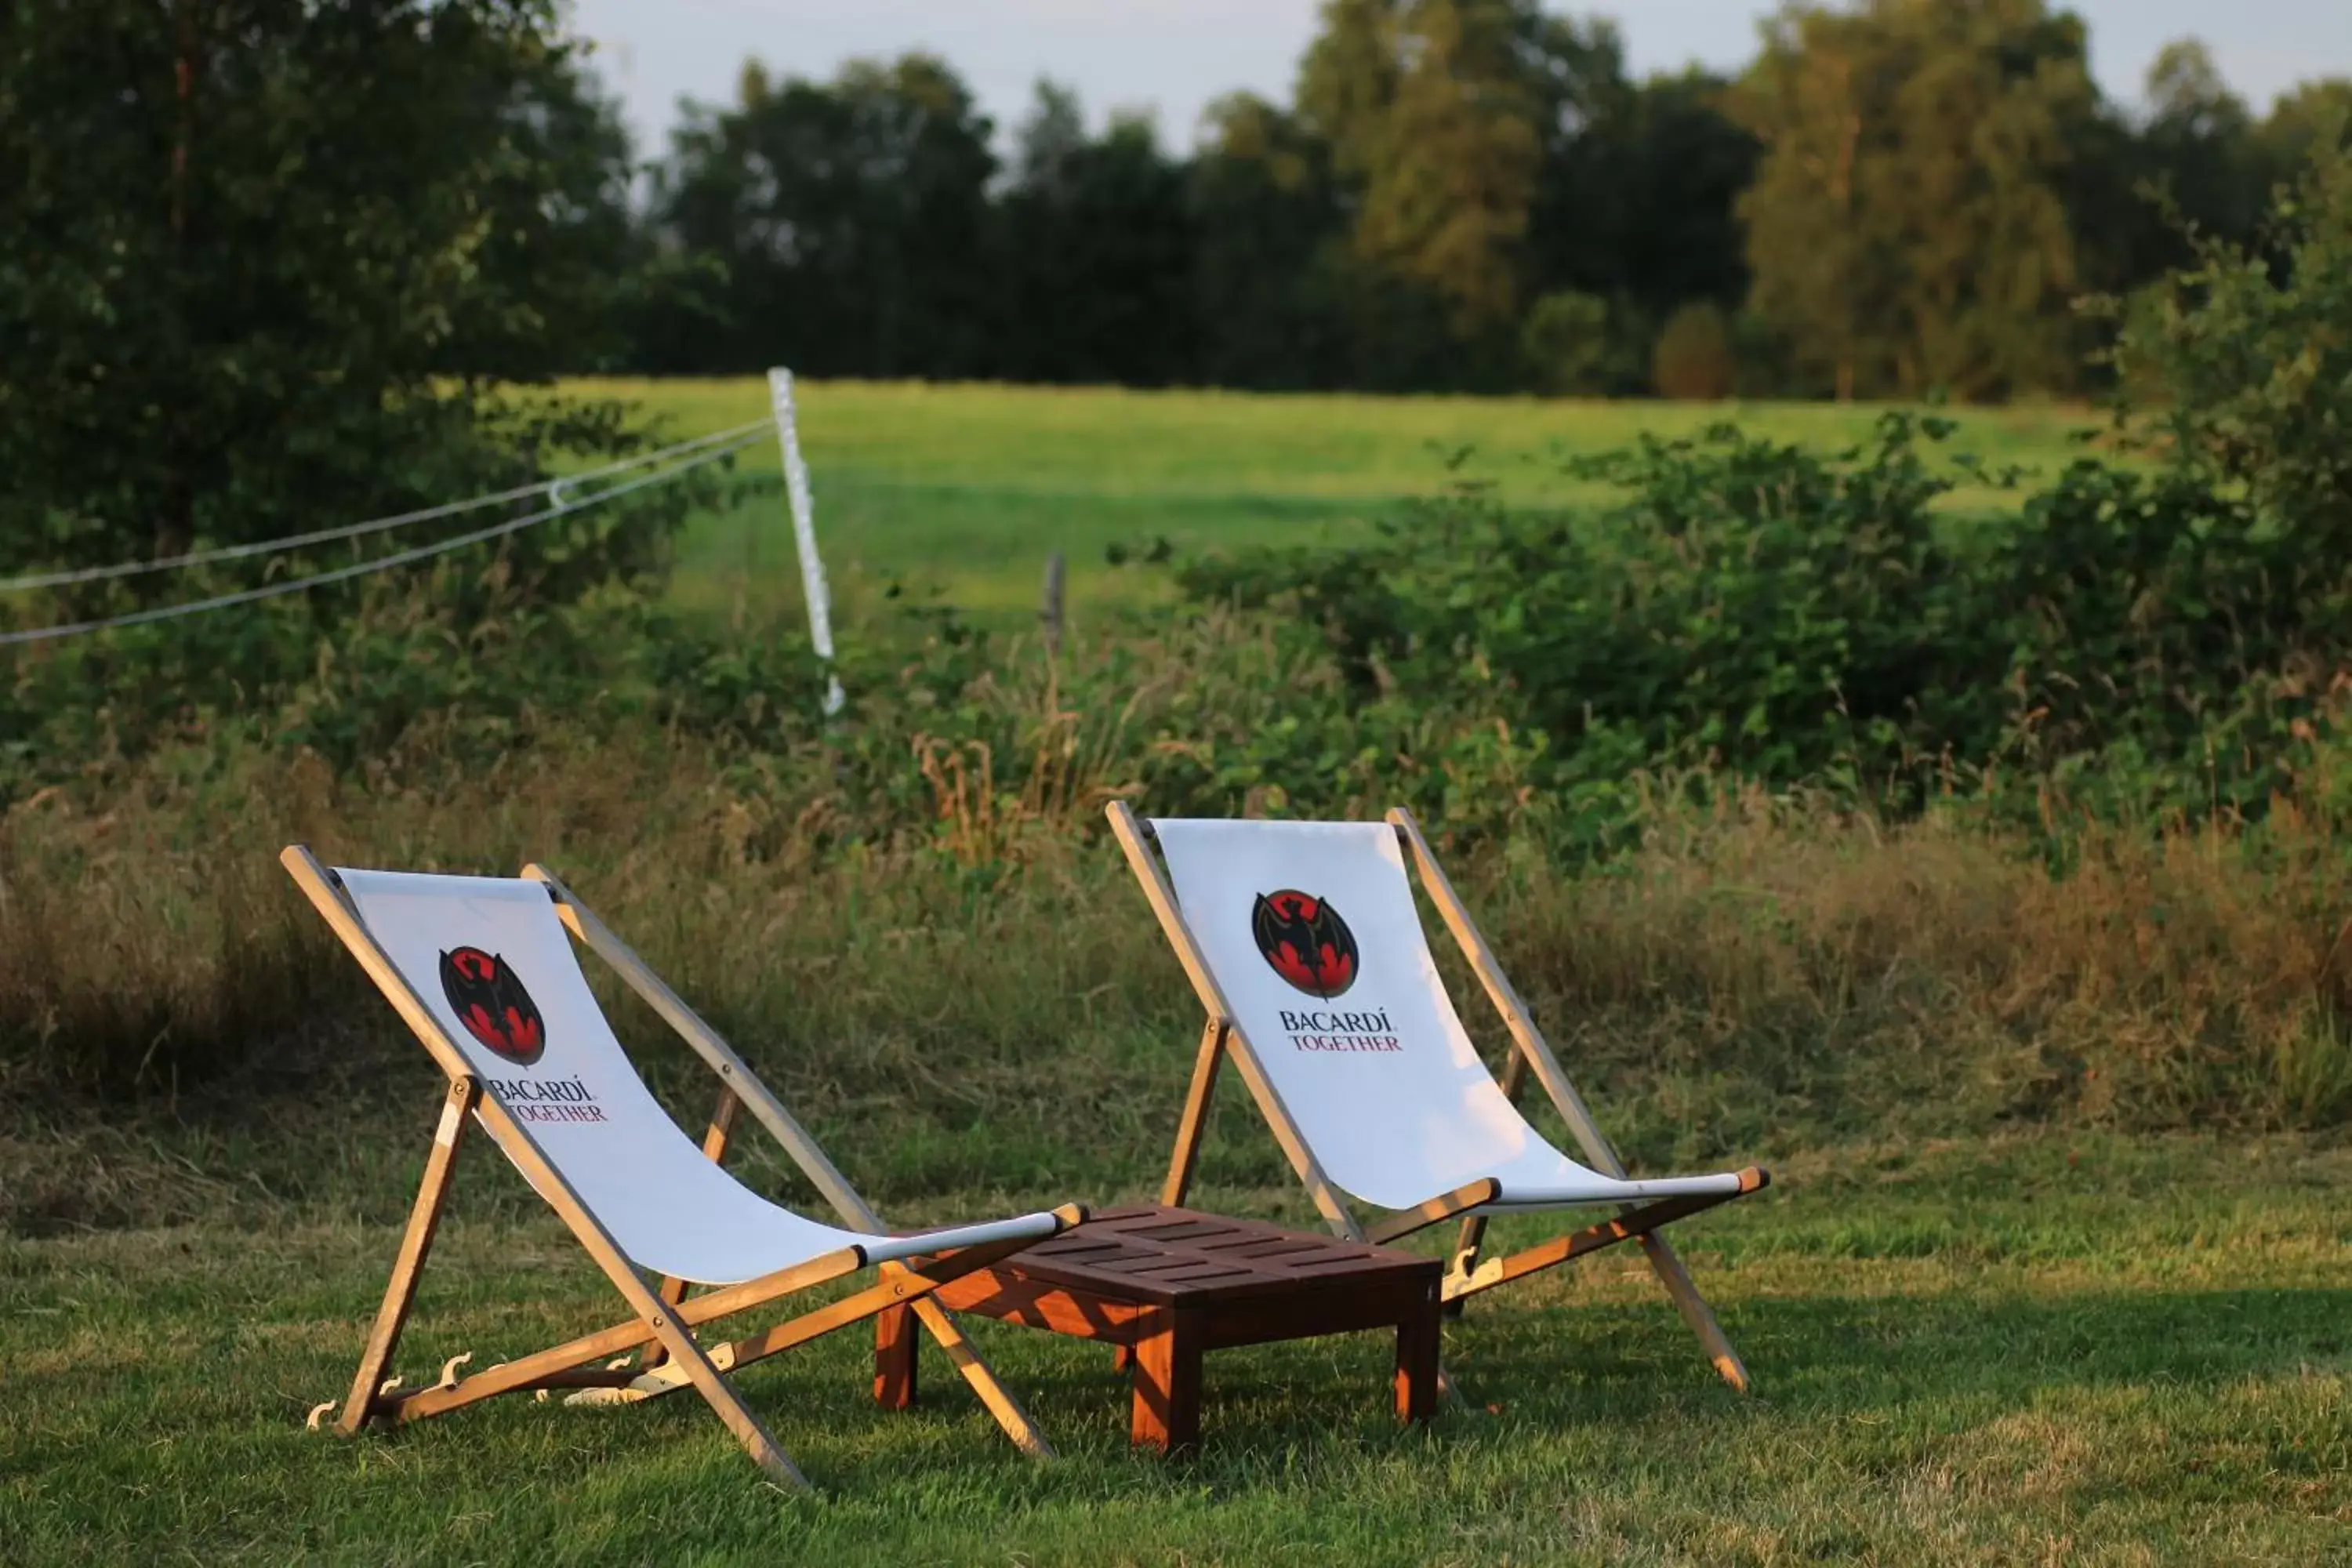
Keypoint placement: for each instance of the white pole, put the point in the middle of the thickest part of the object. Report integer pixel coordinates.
(796, 491)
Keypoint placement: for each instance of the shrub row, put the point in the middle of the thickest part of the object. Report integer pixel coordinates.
(1798, 618)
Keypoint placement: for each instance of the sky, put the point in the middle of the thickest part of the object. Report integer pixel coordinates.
(1172, 56)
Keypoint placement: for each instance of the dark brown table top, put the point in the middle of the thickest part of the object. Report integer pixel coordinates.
(1177, 1258)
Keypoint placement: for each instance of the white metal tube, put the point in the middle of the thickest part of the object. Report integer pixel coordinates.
(887, 1249)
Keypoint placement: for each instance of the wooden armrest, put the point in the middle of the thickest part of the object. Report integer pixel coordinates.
(1442, 1207)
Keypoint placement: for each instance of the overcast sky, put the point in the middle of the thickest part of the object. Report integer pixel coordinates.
(1174, 56)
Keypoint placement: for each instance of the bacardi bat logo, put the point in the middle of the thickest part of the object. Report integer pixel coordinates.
(491, 1003)
(1305, 941)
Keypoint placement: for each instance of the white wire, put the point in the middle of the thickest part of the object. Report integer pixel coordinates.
(553, 489)
(271, 590)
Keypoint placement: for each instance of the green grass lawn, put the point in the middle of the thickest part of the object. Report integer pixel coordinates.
(2081, 1348)
(2046, 1345)
(967, 488)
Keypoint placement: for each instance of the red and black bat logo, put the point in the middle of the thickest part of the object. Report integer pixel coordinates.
(491, 1003)
(1305, 941)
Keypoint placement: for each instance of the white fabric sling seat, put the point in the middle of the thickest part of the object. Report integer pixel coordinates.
(671, 1210)
(483, 969)
(1304, 943)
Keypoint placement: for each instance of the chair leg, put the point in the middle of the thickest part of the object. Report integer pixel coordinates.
(661, 1321)
(949, 1335)
(400, 1290)
(1535, 1053)
(1695, 1311)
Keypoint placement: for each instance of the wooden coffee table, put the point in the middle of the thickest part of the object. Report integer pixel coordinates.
(1167, 1285)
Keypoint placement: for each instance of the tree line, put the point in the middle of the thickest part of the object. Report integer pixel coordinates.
(1896, 198)
(230, 222)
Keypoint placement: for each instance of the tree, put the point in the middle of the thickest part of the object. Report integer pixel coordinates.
(851, 219)
(248, 240)
(1639, 194)
(2141, 183)
(2302, 123)
(2239, 367)
(1804, 213)
(1268, 233)
(2198, 148)
(1097, 254)
(562, 252)
(1908, 226)
(1432, 110)
(1050, 142)
(1636, 205)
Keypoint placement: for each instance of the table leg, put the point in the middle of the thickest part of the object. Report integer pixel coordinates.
(1167, 1406)
(894, 1357)
(1416, 1360)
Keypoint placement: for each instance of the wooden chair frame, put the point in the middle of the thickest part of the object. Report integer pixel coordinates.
(659, 1330)
(1222, 1036)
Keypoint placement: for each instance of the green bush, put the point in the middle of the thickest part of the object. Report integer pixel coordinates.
(1802, 618)
(1754, 606)
(1567, 346)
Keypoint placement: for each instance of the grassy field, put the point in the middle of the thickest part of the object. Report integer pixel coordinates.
(1984, 1326)
(2041, 1279)
(2035, 1350)
(966, 489)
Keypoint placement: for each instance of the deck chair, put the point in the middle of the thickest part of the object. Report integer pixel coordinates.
(482, 969)
(1303, 944)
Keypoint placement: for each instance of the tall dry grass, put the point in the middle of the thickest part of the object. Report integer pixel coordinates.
(917, 930)
(1757, 973)
(1939, 976)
